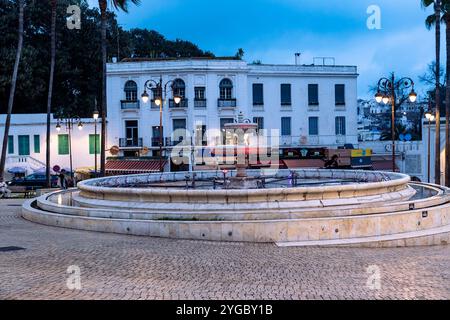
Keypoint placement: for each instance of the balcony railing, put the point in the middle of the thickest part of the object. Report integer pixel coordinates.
(130, 104)
(155, 142)
(183, 104)
(200, 103)
(153, 105)
(226, 103)
(130, 143)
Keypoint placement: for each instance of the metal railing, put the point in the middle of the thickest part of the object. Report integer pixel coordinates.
(200, 103)
(183, 104)
(226, 103)
(129, 104)
(130, 143)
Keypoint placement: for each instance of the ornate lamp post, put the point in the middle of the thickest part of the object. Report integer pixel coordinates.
(430, 117)
(95, 115)
(386, 93)
(69, 123)
(160, 94)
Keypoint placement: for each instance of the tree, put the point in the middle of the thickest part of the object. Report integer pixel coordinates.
(21, 5)
(386, 135)
(437, 25)
(103, 5)
(50, 90)
(240, 54)
(77, 75)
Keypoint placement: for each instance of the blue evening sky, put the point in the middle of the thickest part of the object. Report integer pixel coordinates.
(273, 30)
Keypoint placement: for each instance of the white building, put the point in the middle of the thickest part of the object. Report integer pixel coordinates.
(27, 143)
(310, 105)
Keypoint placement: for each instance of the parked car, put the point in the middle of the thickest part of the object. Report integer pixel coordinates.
(34, 180)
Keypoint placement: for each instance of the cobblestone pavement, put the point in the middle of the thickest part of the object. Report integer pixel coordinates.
(129, 267)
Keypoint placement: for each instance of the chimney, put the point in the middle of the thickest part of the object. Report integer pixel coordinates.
(297, 58)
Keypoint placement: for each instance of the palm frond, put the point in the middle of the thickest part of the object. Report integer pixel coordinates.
(123, 4)
(426, 3)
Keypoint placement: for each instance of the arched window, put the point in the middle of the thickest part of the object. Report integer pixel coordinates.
(130, 91)
(179, 88)
(226, 89)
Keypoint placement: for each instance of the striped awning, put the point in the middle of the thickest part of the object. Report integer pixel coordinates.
(133, 166)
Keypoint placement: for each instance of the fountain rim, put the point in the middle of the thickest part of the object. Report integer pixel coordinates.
(397, 180)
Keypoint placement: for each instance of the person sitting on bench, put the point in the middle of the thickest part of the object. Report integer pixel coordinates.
(4, 191)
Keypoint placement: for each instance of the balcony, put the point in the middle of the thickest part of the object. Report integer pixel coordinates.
(155, 142)
(182, 105)
(130, 104)
(130, 143)
(153, 105)
(226, 103)
(200, 103)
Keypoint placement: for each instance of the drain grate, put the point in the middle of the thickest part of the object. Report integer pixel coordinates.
(6, 249)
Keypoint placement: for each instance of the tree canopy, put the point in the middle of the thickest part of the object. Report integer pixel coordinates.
(78, 55)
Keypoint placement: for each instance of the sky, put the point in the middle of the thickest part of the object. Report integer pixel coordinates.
(274, 30)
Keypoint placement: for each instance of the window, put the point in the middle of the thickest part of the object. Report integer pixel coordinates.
(131, 133)
(10, 144)
(286, 94)
(199, 93)
(286, 126)
(313, 94)
(313, 126)
(179, 88)
(339, 92)
(179, 129)
(37, 143)
(24, 145)
(340, 126)
(130, 91)
(200, 135)
(226, 89)
(259, 121)
(63, 144)
(258, 94)
(94, 144)
(156, 134)
(223, 122)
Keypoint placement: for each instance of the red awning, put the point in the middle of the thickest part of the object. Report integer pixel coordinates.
(304, 163)
(133, 166)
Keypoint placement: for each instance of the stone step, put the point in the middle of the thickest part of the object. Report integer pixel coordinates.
(421, 235)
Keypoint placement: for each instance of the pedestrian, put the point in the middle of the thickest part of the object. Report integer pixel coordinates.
(62, 179)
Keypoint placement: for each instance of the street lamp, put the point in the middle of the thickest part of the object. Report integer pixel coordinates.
(69, 122)
(95, 115)
(386, 93)
(430, 117)
(160, 94)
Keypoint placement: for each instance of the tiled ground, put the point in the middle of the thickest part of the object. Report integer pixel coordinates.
(126, 267)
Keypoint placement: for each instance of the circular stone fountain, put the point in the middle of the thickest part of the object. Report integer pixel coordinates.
(289, 207)
(299, 207)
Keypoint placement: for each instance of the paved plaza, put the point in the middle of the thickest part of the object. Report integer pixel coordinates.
(128, 267)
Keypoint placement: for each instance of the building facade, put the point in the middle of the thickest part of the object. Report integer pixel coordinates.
(27, 143)
(305, 105)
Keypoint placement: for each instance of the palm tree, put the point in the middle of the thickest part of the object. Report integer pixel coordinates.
(437, 23)
(446, 18)
(50, 90)
(12, 91)
(103, 5)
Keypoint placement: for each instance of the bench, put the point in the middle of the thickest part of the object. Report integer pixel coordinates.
(28, 192)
